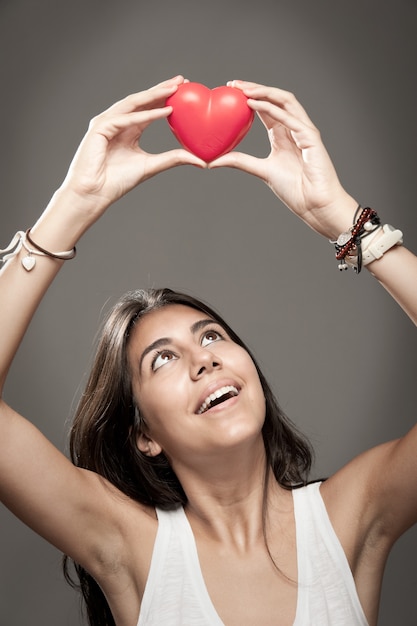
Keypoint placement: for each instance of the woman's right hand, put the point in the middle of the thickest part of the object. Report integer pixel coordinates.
(110, 162)
(37, 482)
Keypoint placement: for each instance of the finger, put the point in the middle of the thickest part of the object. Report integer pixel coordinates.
(280, 97)
(303, 135)
(241, 161)
(172, 158)
(111, 126)
(150, 97)
(270, 113)
(242, 84)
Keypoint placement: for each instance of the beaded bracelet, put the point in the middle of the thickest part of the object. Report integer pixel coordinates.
(22, 240)
(349, 244)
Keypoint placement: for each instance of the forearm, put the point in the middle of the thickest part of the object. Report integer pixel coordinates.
(397, 273)
(396, 270)
(21, 291)
(108, 164)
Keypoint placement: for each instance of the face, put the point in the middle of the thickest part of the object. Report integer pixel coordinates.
(198, 391)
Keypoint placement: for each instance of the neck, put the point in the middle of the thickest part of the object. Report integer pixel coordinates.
(228, 499)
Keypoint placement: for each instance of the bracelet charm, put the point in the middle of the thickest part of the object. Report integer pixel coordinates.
(20, 240)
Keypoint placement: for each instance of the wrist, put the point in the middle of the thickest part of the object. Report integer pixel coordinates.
(334, 218)
(66, 218)
(365, 241)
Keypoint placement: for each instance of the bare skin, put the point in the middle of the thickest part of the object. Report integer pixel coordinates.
(371, 501)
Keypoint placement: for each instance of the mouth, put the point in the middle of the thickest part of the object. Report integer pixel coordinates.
(217, 397)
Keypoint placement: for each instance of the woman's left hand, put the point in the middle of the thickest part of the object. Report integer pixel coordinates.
(298, 169)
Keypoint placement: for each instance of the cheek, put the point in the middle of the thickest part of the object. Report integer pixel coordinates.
(159, 401)
(259, 402)
(257, 394)
(150, 406)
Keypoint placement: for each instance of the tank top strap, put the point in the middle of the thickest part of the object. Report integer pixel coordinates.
(175, 592)
(327, 594)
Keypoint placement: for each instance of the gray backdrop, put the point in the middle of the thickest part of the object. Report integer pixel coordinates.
(220, 235)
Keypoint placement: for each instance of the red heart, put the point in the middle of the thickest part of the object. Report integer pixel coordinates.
(209, 122)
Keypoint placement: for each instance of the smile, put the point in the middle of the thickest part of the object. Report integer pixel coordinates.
(218, 396)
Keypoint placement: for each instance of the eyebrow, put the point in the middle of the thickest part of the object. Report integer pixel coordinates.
(163, 341)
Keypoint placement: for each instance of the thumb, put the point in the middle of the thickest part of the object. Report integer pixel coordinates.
(173, 158)
(241, 161)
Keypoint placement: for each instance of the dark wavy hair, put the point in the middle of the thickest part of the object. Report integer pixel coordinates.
(107, 425)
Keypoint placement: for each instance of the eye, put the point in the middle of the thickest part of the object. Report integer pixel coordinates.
(210, 336)
(161, 358)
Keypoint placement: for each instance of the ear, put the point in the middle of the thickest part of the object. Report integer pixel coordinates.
(148, 446)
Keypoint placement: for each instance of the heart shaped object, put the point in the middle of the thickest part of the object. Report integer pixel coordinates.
(209, 122)
(29, 262)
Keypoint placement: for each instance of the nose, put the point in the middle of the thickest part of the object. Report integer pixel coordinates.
(203, 361)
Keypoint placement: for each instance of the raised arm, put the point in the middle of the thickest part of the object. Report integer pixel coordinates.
(36, 481)
(108, 164)
(380, 486)
(300, 172)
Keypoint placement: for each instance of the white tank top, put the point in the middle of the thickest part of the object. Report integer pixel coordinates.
(176, 595)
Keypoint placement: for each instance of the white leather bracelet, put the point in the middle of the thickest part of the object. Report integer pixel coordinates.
(390, 237)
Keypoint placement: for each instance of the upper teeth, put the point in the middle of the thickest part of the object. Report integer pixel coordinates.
(217, 394)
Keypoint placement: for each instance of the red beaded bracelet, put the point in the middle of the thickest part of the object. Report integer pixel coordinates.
(348, 244)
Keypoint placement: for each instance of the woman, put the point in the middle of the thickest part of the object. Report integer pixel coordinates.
(207, 520)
